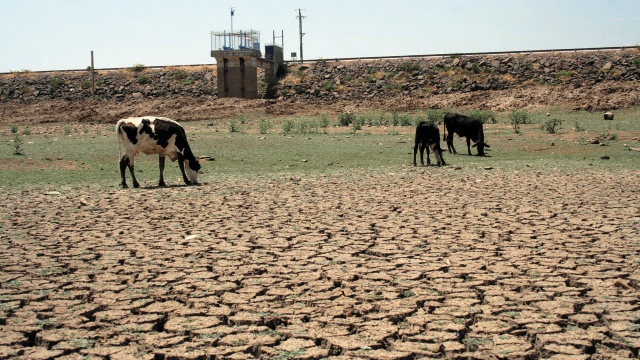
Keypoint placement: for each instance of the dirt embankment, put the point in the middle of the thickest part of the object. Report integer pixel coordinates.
(590, 81)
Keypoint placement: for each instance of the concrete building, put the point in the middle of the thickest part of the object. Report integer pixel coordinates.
(238, 57)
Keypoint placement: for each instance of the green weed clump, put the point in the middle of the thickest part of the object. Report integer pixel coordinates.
(550, 125)
(264, 126)
(519, 117)
(144, 80)
(137, 68)
(233, 126)
(346, 119)
(484, 116)
(18, 142)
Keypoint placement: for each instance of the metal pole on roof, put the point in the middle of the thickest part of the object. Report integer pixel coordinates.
(231, 34)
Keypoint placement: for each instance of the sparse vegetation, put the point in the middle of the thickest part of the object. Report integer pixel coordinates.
(144, 80)
(137, 68)
(17, 144)
(346, 119)
(234, 126)
(519, 117)
(550, 125)
(55, 83)
(264, 126)
(484, 116)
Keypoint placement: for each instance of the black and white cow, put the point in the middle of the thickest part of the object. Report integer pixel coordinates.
(427, 137)
(467, 127)
(156, 135)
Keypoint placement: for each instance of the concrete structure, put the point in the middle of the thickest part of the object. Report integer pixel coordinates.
(238, 57)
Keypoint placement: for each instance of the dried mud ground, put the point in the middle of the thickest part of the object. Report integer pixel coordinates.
(508, 265)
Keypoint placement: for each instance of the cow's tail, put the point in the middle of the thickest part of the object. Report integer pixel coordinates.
(118, 125)
(444, 131)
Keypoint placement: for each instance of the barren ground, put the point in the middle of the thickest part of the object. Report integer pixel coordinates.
(509, 265)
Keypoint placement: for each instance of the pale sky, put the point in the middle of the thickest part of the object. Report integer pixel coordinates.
(60, 34)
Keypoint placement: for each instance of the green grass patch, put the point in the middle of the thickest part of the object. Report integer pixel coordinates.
(310, 146)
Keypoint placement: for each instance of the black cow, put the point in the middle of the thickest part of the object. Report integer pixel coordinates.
(156, 135)
(427, 136)
(464, 126)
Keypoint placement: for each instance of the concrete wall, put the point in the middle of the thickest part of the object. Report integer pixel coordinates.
(237, 73)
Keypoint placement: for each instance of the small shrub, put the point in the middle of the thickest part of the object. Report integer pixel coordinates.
(188, 82)
(565, 74)
(484, 116)
(180, 75)
(264, 126)
(288, 126)
(86, 84)
(346, 119)
(233, 126)
(17, 144)
(578, 126)
(144, 80)
(302, 127)
(475, 68)
(26, 131)
(324, 121)
(410, 66)
(137, 68)
(67, 130)
(519, 117)
(14, 128)
(550, 125)
(56, 83)
(327, 86)
(436, 116)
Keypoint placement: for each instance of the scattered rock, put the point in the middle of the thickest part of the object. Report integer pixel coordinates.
(594, 141)
(608, 115)
(488, 167)
(621, 284)
(605, 157)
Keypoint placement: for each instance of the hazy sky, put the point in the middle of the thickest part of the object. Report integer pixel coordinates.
(60, 34)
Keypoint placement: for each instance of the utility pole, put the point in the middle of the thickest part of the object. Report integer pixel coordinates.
(93, 79)
(300, 17)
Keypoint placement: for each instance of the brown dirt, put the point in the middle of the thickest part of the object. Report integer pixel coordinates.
(605, 95)
(507, 265)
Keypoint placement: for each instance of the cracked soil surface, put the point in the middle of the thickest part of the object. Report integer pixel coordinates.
(494, 265)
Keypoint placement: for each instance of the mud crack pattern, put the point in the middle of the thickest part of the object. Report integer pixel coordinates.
(422, 264)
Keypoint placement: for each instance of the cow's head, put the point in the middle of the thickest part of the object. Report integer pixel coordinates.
(434, 145)
(192, 168)
(481, 146)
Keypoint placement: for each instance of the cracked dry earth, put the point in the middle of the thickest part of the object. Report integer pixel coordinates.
(494, 265)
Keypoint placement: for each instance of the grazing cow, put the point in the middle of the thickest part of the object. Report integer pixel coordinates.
(464, 126)
(427, 136)
(156, 135)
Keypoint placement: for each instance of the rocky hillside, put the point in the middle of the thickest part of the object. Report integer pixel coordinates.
(592, 81)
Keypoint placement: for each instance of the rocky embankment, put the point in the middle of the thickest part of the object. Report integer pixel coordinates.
(593, 81)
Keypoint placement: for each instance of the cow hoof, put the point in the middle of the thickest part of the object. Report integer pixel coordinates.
(162, 184)
(136, 185)
(124, 186)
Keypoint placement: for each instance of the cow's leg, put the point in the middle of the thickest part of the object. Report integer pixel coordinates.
(450, 143)
(181, 165)
(426, 147)
(421, 154)
(124, 162)
(161, 165)
(437, 152)
(133, 174)
(469, 145)
(415, 151)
